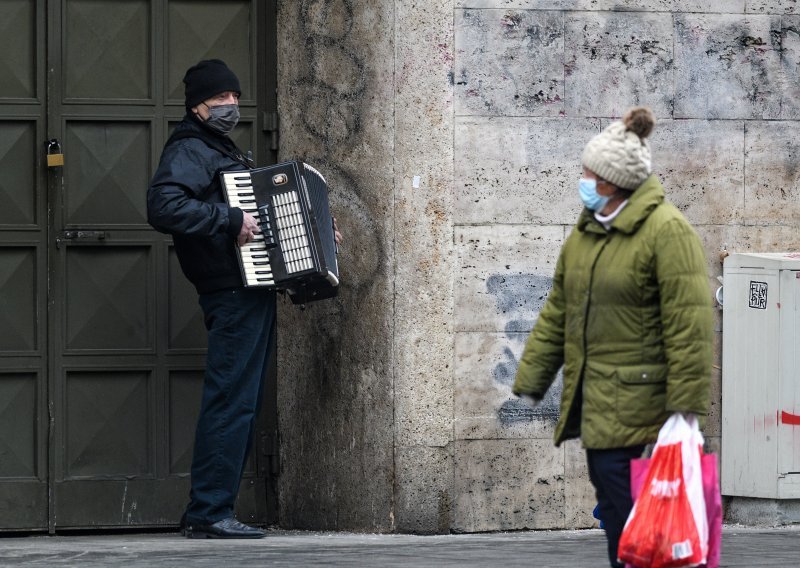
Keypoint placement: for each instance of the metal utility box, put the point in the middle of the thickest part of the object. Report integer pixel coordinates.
(761, 376)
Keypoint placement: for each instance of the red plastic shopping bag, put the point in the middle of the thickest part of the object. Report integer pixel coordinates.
(667, 526)
(711, 493)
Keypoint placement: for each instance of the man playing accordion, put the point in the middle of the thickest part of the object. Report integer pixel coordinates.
(185, 200)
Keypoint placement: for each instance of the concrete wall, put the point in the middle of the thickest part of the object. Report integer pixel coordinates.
(451, 133)
(336, 367)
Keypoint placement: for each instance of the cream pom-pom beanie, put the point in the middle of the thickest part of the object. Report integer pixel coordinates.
(620, 153)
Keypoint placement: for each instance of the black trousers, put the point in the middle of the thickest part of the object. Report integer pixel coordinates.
(610, 473)
(240, 325)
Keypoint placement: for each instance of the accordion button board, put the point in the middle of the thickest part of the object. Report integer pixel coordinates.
(296, 249)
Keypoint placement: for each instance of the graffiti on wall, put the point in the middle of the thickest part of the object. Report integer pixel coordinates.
(520, 298)
(331, 92)
(334, 89)
(738, 68)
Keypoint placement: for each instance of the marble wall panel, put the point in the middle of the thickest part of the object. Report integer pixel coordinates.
(772, 180)
(423, 238)
(773, 7)
(765, 238)
(713, 425)
(452, 133)
(508, 484)
(728, 66)
(744, 238)
(424, 489)
(701, 164)
(708, 6)
(519, 170)
(423, 260)
(335, 398)
(484, 407)
(711, 6)
(503, 275)
(509, 62)
(579, 494)
(615, 60)
(790, 64)
(582, 5)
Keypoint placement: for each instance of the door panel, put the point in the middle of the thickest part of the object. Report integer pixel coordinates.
(23, 267)
(186, 331)
(18, 151)
(185, 386)
(20, 21)
(107, 50)
(108, 362)
(210, 29)
(108, 416)
(18, 426)
(18, 305)
(107, 298)
(107, 166)
(133, 334)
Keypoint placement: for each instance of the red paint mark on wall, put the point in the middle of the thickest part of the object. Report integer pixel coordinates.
(788, 418)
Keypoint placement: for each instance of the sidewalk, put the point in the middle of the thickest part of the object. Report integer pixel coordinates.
(741, 547)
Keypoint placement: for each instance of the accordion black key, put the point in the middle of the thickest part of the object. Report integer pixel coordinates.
(296, 250)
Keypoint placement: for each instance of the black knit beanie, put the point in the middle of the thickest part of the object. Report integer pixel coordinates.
(209, 78)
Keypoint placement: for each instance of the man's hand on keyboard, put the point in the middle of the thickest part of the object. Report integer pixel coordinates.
(249, 229)
(337, 236)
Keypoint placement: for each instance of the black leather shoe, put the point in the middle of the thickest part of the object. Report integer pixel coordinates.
(226, 528)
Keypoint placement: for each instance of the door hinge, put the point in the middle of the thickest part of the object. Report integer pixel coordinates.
(272, 127)
(270, 448)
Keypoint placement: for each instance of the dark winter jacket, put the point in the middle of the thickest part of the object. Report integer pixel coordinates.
(629, 316)
(185, 200)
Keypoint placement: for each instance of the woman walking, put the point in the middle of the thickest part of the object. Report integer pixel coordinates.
(629, 317)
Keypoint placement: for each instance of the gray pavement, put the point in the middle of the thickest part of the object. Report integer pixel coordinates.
(741, 547)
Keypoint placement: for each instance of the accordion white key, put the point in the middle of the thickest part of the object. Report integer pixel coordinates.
(296, 250)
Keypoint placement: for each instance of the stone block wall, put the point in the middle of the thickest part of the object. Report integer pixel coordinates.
(336, 368)
(451, 132)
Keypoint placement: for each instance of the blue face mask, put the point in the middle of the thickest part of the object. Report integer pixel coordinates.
(591, 199)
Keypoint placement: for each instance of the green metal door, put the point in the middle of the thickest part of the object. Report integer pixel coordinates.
(103, 348)
(23, 267)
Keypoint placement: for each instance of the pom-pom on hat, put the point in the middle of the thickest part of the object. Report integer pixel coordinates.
(208, 78)
(620, 153)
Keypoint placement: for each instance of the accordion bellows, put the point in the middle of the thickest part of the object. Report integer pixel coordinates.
(296, 250)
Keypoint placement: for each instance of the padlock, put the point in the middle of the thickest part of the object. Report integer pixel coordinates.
(55, 158)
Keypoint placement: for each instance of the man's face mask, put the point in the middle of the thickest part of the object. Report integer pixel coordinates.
(223, 118)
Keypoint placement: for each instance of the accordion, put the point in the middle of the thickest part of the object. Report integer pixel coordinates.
(296, 250)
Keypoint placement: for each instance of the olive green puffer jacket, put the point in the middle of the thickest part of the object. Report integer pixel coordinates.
(630, 318)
